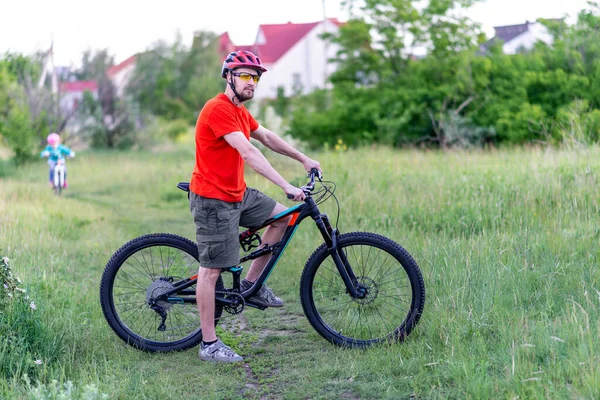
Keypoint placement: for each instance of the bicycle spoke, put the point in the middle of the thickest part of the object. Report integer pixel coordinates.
(149, 274)
(142, 254)
(126, 277)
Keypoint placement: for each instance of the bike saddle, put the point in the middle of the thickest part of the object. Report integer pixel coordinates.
(185, 186)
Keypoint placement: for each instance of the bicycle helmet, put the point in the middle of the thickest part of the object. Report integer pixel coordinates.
(53, 138)
(242, 58)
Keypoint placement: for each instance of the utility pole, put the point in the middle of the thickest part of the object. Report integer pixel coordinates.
(49, 65)
(324, 46)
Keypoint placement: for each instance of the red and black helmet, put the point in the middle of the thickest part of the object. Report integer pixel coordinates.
(242, 58)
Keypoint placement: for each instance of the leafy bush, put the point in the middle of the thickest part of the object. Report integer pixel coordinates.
(17, 130)
(177, 128)
(383, 94)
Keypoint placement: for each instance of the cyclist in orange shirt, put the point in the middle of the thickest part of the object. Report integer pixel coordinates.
(220, 201)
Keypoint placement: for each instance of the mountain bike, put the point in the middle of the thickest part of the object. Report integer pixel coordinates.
(357, 289)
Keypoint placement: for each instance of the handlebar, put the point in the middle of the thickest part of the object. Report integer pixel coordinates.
(310, 186)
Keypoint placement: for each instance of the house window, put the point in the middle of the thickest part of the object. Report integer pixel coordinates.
(297, 83)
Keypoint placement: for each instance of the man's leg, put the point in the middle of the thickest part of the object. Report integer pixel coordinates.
(205, 297)
(211, 349)
(272, 235)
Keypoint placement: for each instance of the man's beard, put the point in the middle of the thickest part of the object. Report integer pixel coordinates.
(246, 95)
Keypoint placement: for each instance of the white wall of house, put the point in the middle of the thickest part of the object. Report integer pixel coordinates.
(69, 101)
(121, 78)
(536, 32)
(304, 66)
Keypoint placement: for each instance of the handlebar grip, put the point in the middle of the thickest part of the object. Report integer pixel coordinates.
(290, 196)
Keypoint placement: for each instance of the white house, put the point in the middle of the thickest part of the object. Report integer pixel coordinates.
(295, 56)
(71, 94)
(121, 73)
(520, 37)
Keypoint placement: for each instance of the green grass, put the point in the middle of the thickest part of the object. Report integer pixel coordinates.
(508, 243)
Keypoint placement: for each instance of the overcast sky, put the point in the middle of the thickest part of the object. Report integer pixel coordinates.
(126, 27)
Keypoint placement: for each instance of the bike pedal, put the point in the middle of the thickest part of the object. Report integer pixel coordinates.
(254, 305)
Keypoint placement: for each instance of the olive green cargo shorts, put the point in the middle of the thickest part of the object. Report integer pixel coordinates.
(218, 222)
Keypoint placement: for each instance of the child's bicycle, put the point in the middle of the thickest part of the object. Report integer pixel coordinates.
(58, 178)
(357, 289)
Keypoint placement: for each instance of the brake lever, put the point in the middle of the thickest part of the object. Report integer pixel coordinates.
(311, 185)
(314, 172)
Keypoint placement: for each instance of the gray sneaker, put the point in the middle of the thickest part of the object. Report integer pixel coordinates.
(218, 352)
(265, 296)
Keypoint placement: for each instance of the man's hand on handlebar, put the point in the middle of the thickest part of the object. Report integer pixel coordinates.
(299, 194)
(310, 164)
(294, 193)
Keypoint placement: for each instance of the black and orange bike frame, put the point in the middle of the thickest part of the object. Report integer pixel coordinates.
(250, 239)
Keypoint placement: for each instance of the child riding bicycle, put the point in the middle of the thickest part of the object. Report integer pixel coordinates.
(55, 152)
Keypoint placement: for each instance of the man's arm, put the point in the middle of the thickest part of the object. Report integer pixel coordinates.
(278, 145)
(257, 161)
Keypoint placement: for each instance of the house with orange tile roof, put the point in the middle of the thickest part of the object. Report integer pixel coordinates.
(295, 55)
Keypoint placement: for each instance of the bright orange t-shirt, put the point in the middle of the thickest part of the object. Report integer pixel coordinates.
(219, 170)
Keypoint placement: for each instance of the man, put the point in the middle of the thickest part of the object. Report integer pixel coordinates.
(219, 199)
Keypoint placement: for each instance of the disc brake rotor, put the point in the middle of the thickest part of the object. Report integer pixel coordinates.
(370, 287)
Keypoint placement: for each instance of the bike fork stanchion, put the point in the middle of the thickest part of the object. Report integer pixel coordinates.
(344, 269)
(342, 256)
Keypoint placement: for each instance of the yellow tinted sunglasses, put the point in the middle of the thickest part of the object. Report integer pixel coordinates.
(246, 76)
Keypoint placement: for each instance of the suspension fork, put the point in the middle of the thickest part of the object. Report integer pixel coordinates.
(339, 257)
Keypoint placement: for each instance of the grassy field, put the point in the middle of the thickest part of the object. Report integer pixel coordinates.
(508, 243)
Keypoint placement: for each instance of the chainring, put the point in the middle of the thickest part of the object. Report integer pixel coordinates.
(233, 309)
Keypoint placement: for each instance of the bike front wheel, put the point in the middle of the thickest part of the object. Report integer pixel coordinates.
(58, 180)
(393, 287)
(139, 272)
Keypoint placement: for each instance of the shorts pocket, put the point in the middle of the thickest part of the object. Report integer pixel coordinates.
(211, 248)
(222, 222)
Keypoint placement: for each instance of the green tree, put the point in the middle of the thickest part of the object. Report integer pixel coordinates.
(94, 64)
(27, 112)
(382, 91)
(174, 82)
(15, 120)
(107, 119)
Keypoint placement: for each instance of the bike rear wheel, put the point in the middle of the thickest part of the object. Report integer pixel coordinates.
(137, 273)
(395, 292)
